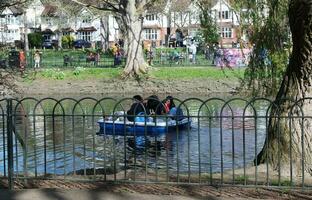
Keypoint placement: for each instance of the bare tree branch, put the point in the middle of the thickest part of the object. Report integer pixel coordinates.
(8, 3)
(113, 6)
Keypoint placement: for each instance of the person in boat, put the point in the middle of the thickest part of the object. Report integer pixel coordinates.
(136, 108)
(168, 104)
(154, 105)
(170, 108)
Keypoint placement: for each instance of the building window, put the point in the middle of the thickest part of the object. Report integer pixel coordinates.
(226, 32)
(47, 37)
(151, 34)
(10, 34)
(151, 17)
(86, 19)
(10, 19)
(225, 14)
(85, 36)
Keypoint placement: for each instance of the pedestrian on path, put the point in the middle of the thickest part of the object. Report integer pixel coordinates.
(22, 62)
(37, 59)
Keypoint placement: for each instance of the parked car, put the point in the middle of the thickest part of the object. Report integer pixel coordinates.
(82, 43)
(48, 44)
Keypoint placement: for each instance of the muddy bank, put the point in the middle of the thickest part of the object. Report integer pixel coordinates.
(111, 87)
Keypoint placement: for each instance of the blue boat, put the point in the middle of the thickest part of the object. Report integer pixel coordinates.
(128, 128)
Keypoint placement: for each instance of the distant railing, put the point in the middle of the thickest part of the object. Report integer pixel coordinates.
(82, 58)
(212, 142)
(173, 57)
(73, 58)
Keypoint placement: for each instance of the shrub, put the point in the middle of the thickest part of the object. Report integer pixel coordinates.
(35, 40)
(48, 73)
(53, 73)
(78, 70)
(67, 41)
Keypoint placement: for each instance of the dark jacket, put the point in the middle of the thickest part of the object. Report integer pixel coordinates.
(135, 109)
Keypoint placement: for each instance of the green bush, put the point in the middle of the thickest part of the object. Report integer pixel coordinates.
(78, 70)
(109, 52)
(48, 73)
(35, 40)
(67, 41)
(53, 73)
(59, 75)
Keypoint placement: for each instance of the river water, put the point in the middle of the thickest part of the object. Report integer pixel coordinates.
(63, 143)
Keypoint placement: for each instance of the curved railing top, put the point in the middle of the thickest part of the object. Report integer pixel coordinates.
(106, 105)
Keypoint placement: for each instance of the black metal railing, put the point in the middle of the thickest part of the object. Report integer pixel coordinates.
(213, 141)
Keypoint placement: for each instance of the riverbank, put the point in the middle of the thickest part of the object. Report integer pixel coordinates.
(46, 189)
(118, 86)
(184, 81)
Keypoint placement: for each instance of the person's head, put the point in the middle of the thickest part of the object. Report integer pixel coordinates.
(152, 102)
(137, 98)
(169, 99)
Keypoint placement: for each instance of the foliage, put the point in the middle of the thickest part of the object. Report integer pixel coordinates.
(209, 29)
(266, 25)
(35, 40)
(78, 70)
(3, 54)
(67, 41)
(56, 74)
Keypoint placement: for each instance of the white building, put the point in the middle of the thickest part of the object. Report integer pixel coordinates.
(177, 24)
(227, 22)
(171, 25)
(87, 26)
(159, 27)
(54, 21)
(11, 24)
(33, 15)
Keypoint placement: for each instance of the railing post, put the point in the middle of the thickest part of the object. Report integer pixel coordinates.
(10, 143)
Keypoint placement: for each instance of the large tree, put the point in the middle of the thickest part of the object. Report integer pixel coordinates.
(297, 139)
(130, 14)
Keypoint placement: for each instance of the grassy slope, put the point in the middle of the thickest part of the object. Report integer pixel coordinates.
(161, 73)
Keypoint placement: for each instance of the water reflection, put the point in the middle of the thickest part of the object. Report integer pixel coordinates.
(62, 144)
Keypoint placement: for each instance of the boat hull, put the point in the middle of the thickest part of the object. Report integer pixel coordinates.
(141, 128)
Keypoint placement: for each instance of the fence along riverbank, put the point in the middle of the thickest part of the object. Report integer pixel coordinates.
(51, 138)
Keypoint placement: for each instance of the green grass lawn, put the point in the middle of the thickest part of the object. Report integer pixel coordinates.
(196, 72)
(161, 73)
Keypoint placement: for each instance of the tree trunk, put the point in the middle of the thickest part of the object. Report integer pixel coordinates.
(26, 44)
(105, 34)
(287, 144)
(135, 64)
(122, 33)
